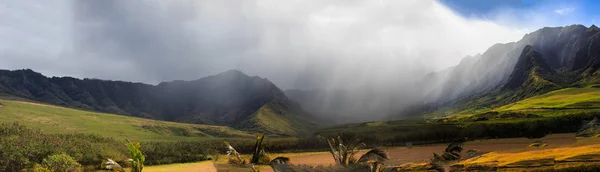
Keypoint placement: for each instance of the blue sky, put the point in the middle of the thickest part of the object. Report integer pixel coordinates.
(524, 12)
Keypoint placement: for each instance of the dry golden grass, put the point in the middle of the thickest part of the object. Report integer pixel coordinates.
(533, 157)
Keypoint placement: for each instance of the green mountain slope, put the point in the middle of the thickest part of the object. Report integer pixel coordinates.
(550, 58)
(531, 74)
(567, 101)
(228, 99)
(55, 119)
(279, 119)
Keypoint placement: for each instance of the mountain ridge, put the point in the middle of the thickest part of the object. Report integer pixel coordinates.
(548, 59)
(228, 98)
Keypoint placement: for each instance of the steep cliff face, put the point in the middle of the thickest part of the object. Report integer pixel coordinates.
(531, 75)
(572, 50)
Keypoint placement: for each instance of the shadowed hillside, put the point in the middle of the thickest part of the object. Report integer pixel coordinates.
(230, 98)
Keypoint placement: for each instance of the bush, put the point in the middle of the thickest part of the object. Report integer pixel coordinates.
(137, 157)
(22, 147)
(39, 168)
(60, 163)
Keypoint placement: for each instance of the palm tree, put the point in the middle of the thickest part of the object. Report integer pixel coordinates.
(343, 152)
(258, 151)
(452, 152)
(374, 158)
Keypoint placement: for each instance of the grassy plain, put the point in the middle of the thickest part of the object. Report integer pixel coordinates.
(55, 119)
(555, 103)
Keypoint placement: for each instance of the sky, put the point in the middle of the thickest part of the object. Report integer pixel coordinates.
(310, 44)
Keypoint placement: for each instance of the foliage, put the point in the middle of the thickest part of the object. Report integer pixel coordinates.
(374, 155)
(590, 129)
(39, 168)
(258, 150)
(137, 157)
(21, 147)
(237, 157)
(343, 148)
(451, 153)
(398, 133)
(374, 158)
(60, 163)
(179, 152)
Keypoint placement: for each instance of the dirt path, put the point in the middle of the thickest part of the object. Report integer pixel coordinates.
(401, 155)
(205, 166)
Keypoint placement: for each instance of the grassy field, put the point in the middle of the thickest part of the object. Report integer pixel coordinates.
(54, 119)
(568, 98)
(559, 102)
(585, 151)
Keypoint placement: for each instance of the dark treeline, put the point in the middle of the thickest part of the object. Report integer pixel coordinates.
(444, 133)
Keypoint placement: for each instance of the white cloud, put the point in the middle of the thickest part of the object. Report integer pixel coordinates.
(564, 11)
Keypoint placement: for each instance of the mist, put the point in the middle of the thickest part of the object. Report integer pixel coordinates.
(370, 52)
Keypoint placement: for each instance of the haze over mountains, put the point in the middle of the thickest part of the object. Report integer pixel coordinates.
(547, 59)
(570, 48)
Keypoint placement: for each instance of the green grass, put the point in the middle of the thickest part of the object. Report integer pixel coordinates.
(54, 119)
(565, 101)
(568, 98)
(267, 119)
(279, 119)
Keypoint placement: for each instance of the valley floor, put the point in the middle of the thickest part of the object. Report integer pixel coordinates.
(422, 154)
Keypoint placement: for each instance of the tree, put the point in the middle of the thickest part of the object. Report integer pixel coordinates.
(343, 151)
(374, 158)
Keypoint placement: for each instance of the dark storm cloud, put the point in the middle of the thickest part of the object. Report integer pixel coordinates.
(164, 41)
(296, 44)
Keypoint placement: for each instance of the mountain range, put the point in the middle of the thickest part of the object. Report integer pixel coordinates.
(230, 98)
(548, 59)
(544, 60)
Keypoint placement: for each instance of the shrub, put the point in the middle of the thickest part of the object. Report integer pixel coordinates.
(39, 168)
(60, 163)
(22, 147)
(137, 157)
